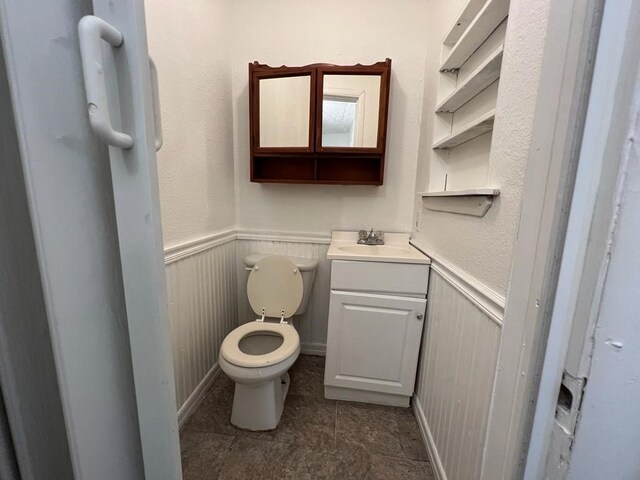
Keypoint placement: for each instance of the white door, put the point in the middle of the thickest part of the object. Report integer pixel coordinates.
(93, 211)
(373, 341)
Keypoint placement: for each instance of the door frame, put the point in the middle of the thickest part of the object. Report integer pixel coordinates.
(593, 223)
(567, 65)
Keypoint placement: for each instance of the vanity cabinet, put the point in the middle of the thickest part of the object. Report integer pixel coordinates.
(375, 329)
(318, 123)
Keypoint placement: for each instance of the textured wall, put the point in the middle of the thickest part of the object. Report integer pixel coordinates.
(188, 41)
(483, 247)
(297, 33)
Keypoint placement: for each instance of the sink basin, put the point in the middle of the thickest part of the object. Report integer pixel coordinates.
(374, 250)
(396, 249)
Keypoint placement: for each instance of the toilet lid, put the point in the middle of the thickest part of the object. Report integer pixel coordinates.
(274, 284)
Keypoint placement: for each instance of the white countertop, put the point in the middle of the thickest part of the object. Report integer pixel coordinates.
(396, 249)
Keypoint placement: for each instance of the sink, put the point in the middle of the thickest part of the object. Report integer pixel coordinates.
(396, 249)
(372, 250)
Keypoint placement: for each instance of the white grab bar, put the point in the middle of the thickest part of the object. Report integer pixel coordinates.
(91, 31)
(155, 93)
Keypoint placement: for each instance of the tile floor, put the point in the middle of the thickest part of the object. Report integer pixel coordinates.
(316, 438)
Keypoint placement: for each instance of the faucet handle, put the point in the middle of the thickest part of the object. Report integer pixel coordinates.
(362, 236)
(379, 236)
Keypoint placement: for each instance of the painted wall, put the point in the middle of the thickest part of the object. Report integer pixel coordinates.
(188, 41)
(297, 33)
(483, 247)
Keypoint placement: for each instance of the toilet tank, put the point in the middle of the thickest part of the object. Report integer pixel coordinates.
(307, 267)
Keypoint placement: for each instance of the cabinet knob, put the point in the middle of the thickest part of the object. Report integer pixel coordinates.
(419, 316)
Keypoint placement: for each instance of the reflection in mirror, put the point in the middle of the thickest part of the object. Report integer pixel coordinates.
(284, 111)
(350, 109)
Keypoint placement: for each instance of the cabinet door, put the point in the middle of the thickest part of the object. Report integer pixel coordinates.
(373, 341)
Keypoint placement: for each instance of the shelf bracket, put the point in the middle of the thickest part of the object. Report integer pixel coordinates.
(474, 202)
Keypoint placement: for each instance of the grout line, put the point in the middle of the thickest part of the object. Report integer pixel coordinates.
(335, 428)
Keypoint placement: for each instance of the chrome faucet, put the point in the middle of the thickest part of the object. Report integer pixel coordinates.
(371, 238)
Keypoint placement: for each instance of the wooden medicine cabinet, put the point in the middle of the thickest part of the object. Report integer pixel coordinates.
(320, 123)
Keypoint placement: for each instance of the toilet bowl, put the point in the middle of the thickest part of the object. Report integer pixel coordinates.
(258, 354)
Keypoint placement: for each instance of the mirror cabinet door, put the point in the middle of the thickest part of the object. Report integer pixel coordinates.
(350, 111)
(284, 112)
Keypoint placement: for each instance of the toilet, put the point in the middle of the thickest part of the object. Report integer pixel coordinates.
(258, 354)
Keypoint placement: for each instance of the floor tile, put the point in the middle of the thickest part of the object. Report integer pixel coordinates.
(390, 468)
(250, 458)
(316, 439)
(410, 437)
(305, 463)
(307, 379)
(374, 428)
(202, 454)
(308, 421)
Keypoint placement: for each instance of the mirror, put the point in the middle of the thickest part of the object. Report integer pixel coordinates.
(285, 111)
(318, 123)
(350, 110)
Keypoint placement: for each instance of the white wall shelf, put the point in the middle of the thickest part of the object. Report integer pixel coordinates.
(465, 18)
(482, 124)
(485, 22)
(492, 192)
(475, 201)
(483, 76)
(466, 108)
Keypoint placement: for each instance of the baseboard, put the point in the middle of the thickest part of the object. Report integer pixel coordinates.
(427, 438)
(193, 402)
(317, 349)
(364, 396)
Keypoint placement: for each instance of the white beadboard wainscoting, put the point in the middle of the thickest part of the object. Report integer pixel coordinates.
(312, 325)
(457, 369)
(203, 309)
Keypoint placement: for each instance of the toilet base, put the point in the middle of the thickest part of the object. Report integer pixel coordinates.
(258, 406)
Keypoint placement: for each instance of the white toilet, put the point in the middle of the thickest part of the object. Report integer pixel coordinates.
(258, 354)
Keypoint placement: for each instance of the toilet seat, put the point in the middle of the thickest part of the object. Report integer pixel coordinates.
(231, 352)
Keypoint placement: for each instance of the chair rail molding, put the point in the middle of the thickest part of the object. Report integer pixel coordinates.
(284, 236)
(192, 247)
(488, 300)
(185, 249)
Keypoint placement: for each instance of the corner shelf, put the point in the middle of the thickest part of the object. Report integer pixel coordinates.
(474, 201)
(482, 124)
(483, 76)
(485, 22)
